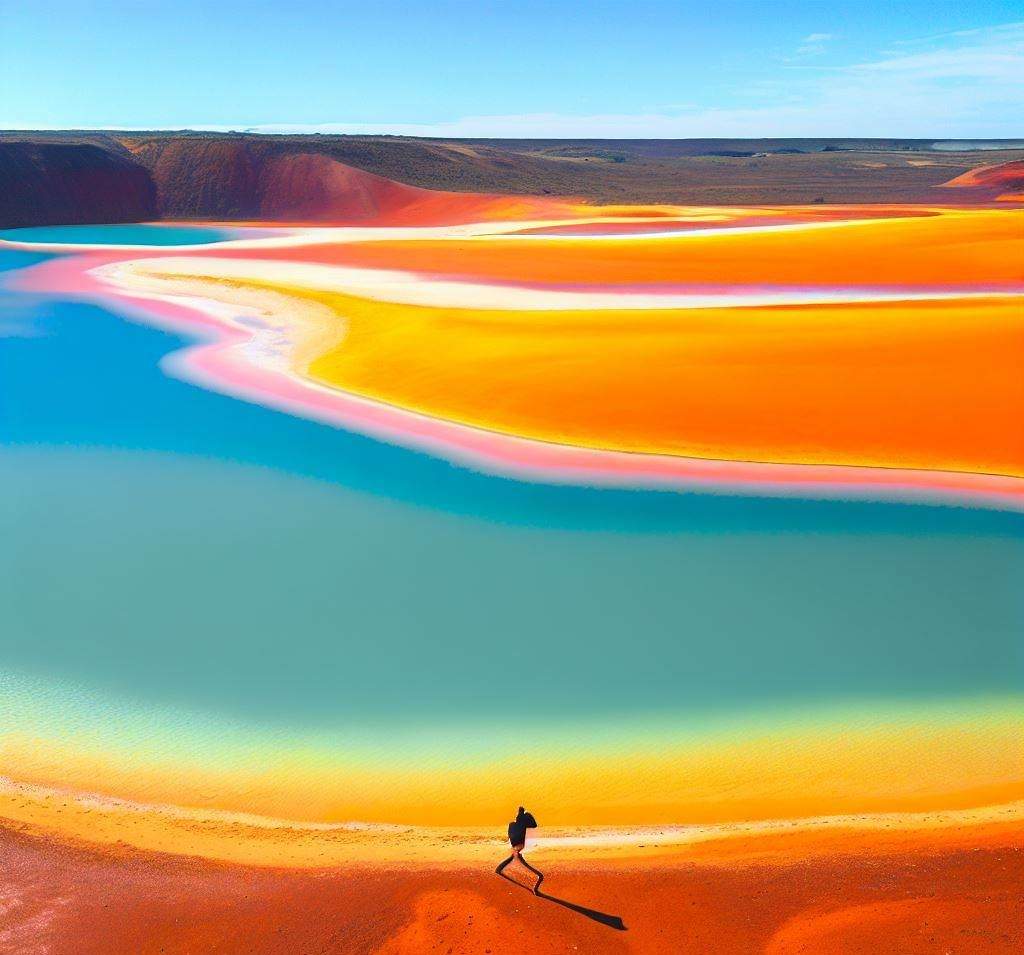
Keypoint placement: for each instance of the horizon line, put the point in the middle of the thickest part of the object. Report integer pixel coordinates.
(282, 129)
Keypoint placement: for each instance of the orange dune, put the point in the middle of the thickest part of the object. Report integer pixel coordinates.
(898, 345)
(913, 384)
(992, 180)
(1004, 175)
(933, 385)
(952, 248)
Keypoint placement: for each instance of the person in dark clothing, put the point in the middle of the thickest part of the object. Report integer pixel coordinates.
(517, 839)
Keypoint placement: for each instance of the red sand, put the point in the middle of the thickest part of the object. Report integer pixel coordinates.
(315, 188)
(1004, 175)
(909, 894)
(991, 181)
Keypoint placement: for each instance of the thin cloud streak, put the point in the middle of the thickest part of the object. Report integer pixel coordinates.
(935, 93)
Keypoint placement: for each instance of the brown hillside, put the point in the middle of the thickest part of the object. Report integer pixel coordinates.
(48, 178)
(53, 183)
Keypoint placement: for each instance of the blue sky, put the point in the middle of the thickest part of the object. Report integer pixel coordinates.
(930, 68)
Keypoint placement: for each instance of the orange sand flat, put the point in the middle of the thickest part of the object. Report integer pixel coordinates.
(929, 385)
(949, 248)
(932, 385)
(852, 374)
(959, 892)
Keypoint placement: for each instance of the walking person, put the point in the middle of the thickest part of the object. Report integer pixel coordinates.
(517, 839)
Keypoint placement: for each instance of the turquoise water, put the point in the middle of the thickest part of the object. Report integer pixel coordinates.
(167, 544)
(237, 588)
(126, 234)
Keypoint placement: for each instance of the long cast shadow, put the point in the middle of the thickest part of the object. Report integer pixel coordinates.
(612, 921)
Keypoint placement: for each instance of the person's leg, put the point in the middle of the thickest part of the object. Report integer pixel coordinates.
(501, 867)
(536, 872)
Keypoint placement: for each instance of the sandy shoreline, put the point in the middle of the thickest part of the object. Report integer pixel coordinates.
(956, 890)
(259, 840)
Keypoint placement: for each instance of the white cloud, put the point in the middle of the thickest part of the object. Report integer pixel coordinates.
(1003, 61)
(990, 32)
(966, 85)
(814, 44)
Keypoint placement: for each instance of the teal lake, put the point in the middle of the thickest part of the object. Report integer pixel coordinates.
(132, 234)
(175, 546)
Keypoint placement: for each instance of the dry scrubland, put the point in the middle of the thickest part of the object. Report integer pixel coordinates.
(53, 178)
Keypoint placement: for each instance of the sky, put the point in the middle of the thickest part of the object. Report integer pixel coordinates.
(590, 68)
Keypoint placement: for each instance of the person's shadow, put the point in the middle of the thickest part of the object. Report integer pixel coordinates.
(612, 921)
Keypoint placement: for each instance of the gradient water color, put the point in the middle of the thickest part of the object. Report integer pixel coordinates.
(387, 535)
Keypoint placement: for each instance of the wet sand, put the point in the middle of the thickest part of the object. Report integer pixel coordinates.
(781, 893)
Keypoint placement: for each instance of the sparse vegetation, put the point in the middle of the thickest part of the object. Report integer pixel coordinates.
(216, 175)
